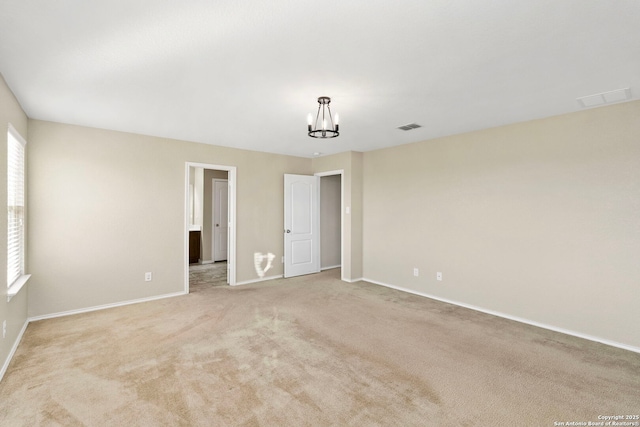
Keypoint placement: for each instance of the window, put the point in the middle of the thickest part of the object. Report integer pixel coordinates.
(15, 212)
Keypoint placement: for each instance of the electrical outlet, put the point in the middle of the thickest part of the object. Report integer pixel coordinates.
(147, 276)
(416, 272)
(4, 328)
(439, 276)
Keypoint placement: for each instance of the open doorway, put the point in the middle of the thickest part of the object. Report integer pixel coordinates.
(210, 226)
(332, 221)
(311, 248)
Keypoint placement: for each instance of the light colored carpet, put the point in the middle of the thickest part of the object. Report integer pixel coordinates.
(309, 351)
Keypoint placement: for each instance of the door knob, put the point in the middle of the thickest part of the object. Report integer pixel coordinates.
(288, 231)
(217, 225)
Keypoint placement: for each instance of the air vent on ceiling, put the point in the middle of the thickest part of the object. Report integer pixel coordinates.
(409, 126)
(603, 98)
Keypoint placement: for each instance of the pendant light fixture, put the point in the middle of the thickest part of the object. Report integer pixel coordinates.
(324, 126)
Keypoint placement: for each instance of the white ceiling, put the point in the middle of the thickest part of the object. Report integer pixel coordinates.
(246, 73)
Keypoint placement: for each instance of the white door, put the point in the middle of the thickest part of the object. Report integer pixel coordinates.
(220, 219)
(301, 225)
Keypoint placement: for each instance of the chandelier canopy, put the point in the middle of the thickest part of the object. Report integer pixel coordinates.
(324, 126)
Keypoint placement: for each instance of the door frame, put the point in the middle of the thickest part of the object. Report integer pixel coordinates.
(213, 227)
(231, 247)
(341, 173)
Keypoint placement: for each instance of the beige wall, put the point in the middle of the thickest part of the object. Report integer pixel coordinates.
(357, 214)
(330, 220)
(106, 207)
(538, 220)
(14, 311)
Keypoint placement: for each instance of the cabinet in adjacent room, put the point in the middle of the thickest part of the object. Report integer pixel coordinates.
(194, 247)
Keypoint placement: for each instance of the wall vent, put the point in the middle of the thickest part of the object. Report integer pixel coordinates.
(409, 126)
(603, 98)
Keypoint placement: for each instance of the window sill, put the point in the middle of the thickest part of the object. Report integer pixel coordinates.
(16, 286)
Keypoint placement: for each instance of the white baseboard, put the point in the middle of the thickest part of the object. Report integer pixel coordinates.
(330, 267)
(248, 282)
(344, 279)
(5, 366)
(103, 307)
(509, 317)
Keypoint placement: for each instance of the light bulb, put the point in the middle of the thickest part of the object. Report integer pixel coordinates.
(336, 118)
(309, 119)
(324, 124)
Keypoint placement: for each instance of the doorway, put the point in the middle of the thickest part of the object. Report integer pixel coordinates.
(330, 222)
(329, 252)
(205, 183)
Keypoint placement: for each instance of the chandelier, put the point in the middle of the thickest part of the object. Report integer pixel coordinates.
(324, 126)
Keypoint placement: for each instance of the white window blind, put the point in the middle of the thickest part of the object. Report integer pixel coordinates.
(15, 206)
